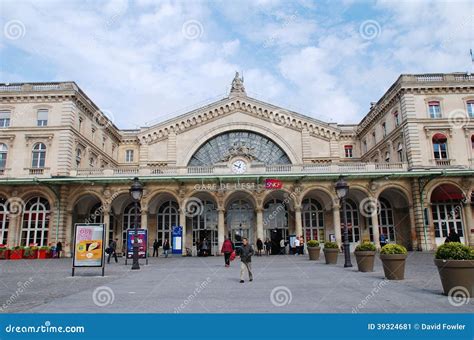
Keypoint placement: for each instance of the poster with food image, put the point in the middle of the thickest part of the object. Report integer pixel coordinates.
(89, 245)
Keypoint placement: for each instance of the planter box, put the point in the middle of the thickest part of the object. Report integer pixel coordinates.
(456, 275)
(5, 255)
(314, 253)
(365, 260)
(330, 255)
(394, 266)
(16, 254)
(32, 255)
(44, 254)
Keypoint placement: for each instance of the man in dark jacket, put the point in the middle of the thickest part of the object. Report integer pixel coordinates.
(156, 245)
(246, 253)
(113, 250)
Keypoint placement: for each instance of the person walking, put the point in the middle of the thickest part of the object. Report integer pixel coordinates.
(268, 246)
(296, 246)
(113, 250)
(301, 250)
(156, 245)
(452, 237)
(59, 249)
(204, 248)
(259, 247)
(383, 239)
(246, 253)
(282, 247)
(166, 247)
(227, 249)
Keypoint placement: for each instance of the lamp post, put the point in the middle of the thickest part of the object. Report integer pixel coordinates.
(136, 191)
(342, 188)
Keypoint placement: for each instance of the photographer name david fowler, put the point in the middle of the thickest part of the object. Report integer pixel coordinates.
(442, 326)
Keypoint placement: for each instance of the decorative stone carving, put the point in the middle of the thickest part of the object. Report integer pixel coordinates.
(237, 87)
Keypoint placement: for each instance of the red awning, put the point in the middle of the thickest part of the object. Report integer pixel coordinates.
(439, 137)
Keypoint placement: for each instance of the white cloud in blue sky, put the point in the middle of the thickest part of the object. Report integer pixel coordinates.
(148, 60)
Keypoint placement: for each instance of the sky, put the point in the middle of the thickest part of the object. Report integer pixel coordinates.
(145, 61)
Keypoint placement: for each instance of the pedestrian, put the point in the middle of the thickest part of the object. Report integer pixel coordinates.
(282, 247)
(156, 245)
(59, 248)
(166, 247)
(246, 253)
(296, 246)
(301, 250)
(452, 237)
(113, 250)
(383, 239)
(259, 247)
(227, 249)
(204, 247)
(268, 246)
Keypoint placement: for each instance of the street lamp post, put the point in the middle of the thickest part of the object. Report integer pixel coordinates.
(136, 191)
(342, 188)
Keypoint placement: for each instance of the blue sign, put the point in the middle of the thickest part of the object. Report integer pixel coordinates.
(142, 242)
(177, 241)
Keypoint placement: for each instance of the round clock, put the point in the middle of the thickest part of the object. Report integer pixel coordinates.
(239, 166)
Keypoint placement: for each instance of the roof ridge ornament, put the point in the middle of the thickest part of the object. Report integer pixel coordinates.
(237, 88)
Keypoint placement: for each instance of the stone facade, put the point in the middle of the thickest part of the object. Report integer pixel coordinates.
(409, 164)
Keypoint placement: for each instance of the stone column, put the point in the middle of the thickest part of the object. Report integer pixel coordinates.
(260, 223)
(182, 222)
(68, 246)
(14, 230)
(375, 227)
(337, 224)
(107, 226)
(298, 221)
(414, 236)
(220, 229)
(144, 223)
(468, 225)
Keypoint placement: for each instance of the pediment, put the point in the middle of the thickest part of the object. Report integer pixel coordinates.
(268, 113)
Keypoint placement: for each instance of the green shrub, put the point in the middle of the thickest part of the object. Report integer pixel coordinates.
(331, 245)
(365, 246)
(17, 248)
(312, 243)
(45, 248)
(454, 251)
(393, 249)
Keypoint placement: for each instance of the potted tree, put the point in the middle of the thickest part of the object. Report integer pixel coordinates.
(455, 263)
(4, 252)
(43, 252)
(16, 253)
(313, 249)
(365, 256)
(331, 251)
(393, 258)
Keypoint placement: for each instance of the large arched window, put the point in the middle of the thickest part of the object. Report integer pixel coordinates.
(39, 155)
(313, 220)
(167, 217)
(352, 214)
(4, 219)
(275, 214)
(240, 220)
(204, 226)
(36, 217)
(440, 146)
(248, 144)
(3, 155)
(96, 214)
(385, 218)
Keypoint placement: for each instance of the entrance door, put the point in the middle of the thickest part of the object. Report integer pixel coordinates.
(352, 224)
(446, 216)
(207, 236)
(240, 221)
(275, 236)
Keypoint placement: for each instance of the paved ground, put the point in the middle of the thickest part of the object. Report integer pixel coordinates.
(203, 285)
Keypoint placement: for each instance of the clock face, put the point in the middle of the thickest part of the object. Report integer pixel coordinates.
(239, 166)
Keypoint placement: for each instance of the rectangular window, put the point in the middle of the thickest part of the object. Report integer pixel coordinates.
(4, 119)
(470, 108)
(365, 146)
(384, 129)
(396, 116)
(42, 118)
(348, 151)
(440, 151)
(374, 137)
(129, 156)
(434, 109)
